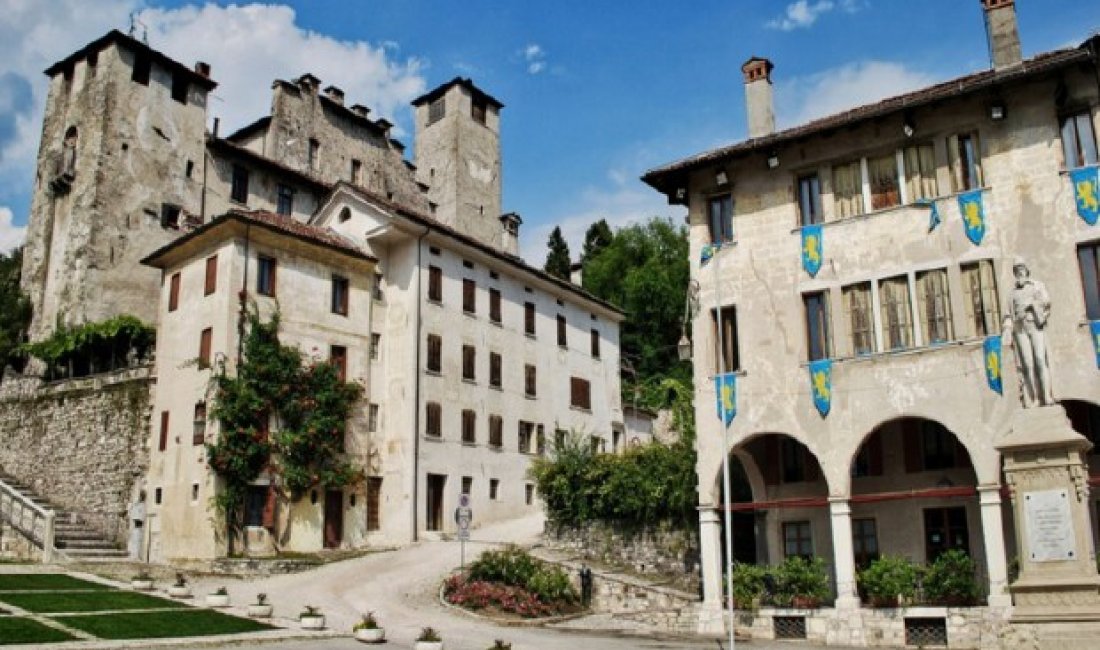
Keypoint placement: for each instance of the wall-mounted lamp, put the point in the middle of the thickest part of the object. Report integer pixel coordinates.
(773, 160)
(721, 178)
(907, 129)
(997, 111)
(681, 193)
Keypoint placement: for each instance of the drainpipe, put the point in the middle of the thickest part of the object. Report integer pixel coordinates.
(416, 384)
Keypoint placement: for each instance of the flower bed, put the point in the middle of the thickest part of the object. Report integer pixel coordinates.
(514, 583)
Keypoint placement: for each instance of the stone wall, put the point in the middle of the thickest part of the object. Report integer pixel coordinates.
(649, 551)
(80, 443)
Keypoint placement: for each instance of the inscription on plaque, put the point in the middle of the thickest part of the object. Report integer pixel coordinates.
(1049, 526)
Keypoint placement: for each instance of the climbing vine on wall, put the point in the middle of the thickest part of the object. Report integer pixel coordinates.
(282, 412)
(94, 347)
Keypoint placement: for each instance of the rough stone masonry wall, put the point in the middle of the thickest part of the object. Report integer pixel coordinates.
(79, 443)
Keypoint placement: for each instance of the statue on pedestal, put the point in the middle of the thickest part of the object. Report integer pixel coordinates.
(1029, 311)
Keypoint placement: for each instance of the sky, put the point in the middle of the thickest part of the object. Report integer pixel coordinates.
(595, 92)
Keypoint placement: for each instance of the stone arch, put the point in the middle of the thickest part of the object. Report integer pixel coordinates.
(753, 472)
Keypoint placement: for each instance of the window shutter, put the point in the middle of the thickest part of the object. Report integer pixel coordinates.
(268, 516)
(874, 454)
(211, 275)
(770, 470)
(911, 442)
(174, 292)
(163, 431)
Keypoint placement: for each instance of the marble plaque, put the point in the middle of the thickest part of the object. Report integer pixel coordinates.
(1049, 525)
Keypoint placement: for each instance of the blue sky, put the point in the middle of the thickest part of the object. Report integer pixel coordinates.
(595, 92)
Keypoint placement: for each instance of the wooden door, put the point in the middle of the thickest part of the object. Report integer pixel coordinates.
(334, 518)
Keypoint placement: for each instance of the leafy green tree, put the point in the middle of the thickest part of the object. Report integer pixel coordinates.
(596, 238)
(557, 259)
(15, 311)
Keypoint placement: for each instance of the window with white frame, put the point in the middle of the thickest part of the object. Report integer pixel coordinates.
(720, 218)
(809, 200)
(896, 313)
(1078, 140)
(818, 344)
(934, 306)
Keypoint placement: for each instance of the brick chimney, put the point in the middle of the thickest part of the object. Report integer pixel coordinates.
(1001, 30)
(335, 94)
(758, 96)
(203, 68)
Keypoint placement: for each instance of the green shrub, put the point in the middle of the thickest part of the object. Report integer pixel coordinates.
(93, 347)
(516, 567)
(749, 584)
(551, 585)
(950, 580)
(889, 577)
(802, 578)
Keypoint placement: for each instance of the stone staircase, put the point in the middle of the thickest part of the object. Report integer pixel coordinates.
(72, 539)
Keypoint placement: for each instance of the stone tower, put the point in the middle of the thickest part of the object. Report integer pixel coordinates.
(119, 173)
(458, 158)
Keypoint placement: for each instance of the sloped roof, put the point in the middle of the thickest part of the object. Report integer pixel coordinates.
(478, 93)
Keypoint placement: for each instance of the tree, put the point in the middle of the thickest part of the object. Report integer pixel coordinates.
(596, 238)
(557, 260)
(15, 311)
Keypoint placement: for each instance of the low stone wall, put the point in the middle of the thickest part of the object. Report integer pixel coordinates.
(79, 443)
(671, 554)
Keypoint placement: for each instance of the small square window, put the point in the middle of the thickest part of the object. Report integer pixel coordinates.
(435, 284)
(372, 418)
(528, 494)
(339, 295)
(170, 216)
(435, 353)
(338, 357)
(467, 484)
(494, 488)
(205, 343)
(266, 268)
(720, 218)
(180, 86)
(143, 67)
(238, 191)
(174, 292)
(211, 284)
(375, 344)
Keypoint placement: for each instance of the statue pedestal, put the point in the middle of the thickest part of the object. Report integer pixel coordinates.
(1048, 480)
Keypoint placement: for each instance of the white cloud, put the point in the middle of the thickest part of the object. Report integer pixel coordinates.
(10, 234)
(800, 14)
(535, 57)
(802, 99)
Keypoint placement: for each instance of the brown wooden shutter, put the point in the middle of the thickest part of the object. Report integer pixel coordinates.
(911, 443)
(163, 431)
(205, 343)
(770, 470)
(874, 454)
(211, 275)
(174, 292)
(268, 516)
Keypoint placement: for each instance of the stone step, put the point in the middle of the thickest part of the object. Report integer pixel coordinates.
(85, 544)
(86, 553)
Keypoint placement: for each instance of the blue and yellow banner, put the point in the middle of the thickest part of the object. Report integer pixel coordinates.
(934, 218)
(1094, 330)
(812, 249)
(992, 354)
(821, 384)
(705, 255)
(973, 215)
(725, 387)
(1086, 190)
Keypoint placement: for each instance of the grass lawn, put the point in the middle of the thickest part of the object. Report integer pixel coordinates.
(44, 581)
(23, 630)
(153, 625)
(85, 602)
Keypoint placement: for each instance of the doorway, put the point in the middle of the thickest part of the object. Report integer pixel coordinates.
(434, 514)
(945, 529)
(334, 518)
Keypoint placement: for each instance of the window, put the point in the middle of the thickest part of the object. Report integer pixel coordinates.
(314, 150)
(528, 493)
(495, 380)
(211, 275)
(559, 438)
(266, 271)
(720, 218)
(562, 329)
(526, 434)
(920, 172)
(189, 168)
(374, 501)
(435, 284)
(797, 540)
(1088, 259)
(529, 318)
(864, 542)
(934, 307)
(469, 426)
(435, 353)
(469, 362)
(239, 189)
(1078, 140)
(356, 171)
(255, 505)
(339, 295)
(433, 420)
(377, 288)
(285, 201)
(169, 216)
(540, 440)
(437, 109)
(594, 342)
(93, 61)
(809, 200)
(494, 488)
(205, 342)
(174, 292)
(529, 380)
(467, 264)
(338, 357)
(848, 190)
(467, 484)
(494, 305)
(180, 86)
(496, 431)
(817, 325)
(194, 492)
(883, 178)
(478, 109)
(372, 418)
(158, 495)
(580, 393)
(375, 344)
(143, 66)
(198, 435)
(469, 296)
(857, 301)
(729, 354)
(162, 444)
(983, 309)
(897, 324)
(963, 157)
(945, 529)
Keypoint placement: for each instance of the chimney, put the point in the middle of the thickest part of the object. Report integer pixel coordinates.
(385, 125)
(308, 83)
(758, 96)
(203, 68)
(335, 94)
(509, 233)
(360, 110)
(1001, 30)
(576, 273)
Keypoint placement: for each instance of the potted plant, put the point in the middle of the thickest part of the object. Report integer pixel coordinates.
(311, 618)
(889, 580)
(219, 598)
(261, 608)
(802, 582)
(142, 581)
(367, 630)
(180, 588)
(429, 639)
(949, 580)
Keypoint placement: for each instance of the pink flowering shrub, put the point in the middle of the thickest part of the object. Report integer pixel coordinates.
(479, 594)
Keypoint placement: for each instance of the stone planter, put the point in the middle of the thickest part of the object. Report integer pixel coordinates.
(260, 611)
(370, 635)
(428, 645)
(179, 591)
(217, 600)
(315, 622)
(141, 585)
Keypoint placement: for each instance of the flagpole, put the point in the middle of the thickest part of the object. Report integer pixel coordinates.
(727, 524)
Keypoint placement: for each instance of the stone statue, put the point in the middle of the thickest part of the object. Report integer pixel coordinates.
(1027, 319)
